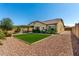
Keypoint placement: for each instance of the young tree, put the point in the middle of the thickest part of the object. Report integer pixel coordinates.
(6, 24)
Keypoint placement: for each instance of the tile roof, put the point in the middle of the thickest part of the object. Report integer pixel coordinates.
(52, 21)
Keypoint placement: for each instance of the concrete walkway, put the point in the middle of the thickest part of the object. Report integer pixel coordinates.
(52, 46)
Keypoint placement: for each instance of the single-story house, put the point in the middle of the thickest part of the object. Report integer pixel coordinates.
(53, 23)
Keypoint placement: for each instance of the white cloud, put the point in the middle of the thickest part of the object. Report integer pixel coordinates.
(69, 25)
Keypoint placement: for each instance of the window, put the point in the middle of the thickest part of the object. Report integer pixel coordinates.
(37, 28)
(43, 28)
(49, 26)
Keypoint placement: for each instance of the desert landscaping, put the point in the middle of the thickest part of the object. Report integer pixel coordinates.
(30, 40)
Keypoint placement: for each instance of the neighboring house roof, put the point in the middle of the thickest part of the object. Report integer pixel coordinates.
(37, 21)
(67, 27)
(52, 21)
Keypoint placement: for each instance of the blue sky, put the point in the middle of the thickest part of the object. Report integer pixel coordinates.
(25, 13)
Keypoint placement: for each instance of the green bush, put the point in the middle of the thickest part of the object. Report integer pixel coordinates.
(51, 31)
(2, 35)
(36, 31)
(43, 31)
(33, 31)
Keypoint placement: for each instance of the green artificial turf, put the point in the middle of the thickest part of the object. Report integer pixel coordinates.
(31, 38)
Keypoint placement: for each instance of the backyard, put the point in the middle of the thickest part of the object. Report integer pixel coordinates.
(31, 37)
(54, 45)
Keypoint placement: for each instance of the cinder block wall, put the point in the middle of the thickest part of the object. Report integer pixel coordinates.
(75, 30)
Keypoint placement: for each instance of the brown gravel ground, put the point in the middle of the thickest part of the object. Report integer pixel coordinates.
(57, 45)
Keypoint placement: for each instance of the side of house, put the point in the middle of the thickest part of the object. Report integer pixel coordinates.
(60, 27)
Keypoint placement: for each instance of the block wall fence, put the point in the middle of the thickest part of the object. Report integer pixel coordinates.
(75, 30)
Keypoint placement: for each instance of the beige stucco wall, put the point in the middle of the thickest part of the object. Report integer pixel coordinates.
(60, 27)
(28, 29)
(25, 28)
(76, 30)
(38, 24)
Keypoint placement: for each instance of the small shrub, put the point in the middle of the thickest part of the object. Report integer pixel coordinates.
(51, 31)
(18, 30)
(36, 31)
(43, 31)
(1, 43)
(7, 34)
(33, 30)
(2, 35)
